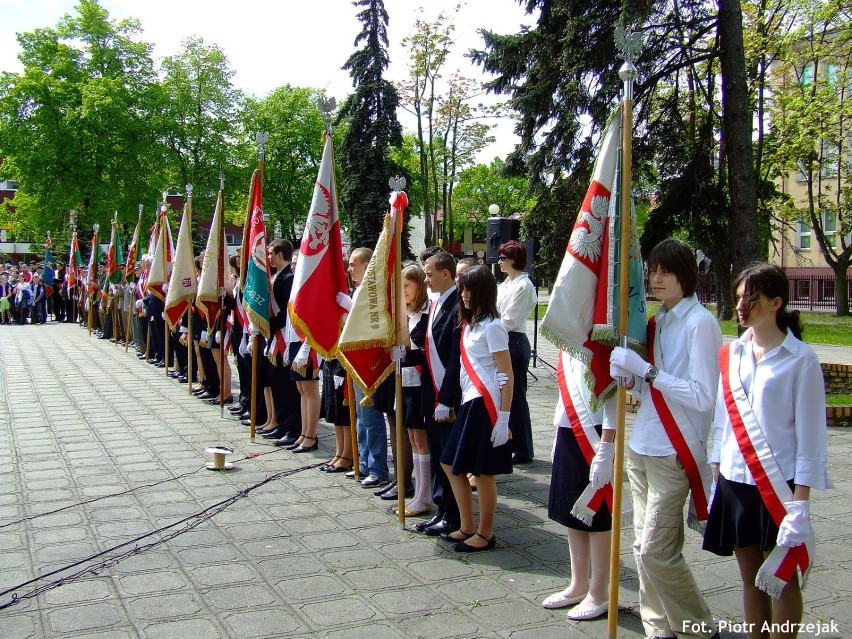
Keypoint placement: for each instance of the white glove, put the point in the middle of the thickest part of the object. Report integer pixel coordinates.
(500, 432)
(600, 471)
(243, 347)
(344, 301)
(338, 381)
(253, 330)
(218, 337)
(442, 413)
(626, 360)
(301, 360)
(203, 337)
(397, 353)
(139, 305)
(183, 329)
(795, 528)
(502, 378)
(166, 287)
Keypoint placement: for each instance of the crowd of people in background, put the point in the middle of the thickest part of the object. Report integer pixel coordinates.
(28, 296)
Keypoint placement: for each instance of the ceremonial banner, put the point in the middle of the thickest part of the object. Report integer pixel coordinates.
(94, 258)
(211, 284)
(182, 286)
(133, 251)
(320, 274)
(161, 264)
(75, 261)
(114, 257)
(370, 332)
(48, 273)
(256, 291)
(582, 316)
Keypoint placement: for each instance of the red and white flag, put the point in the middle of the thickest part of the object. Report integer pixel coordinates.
(320, 275)
(582, 317)
(182, 286)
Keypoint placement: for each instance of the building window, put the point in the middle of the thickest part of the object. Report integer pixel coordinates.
(826, 290)
(829, 227)
(9, 185)
(803, 289)
(803, 235)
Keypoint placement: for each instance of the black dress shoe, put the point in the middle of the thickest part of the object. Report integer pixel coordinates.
(246, 422)
(160, 364)
(276, 433)
(423, 525)
(199, 391)
(206, 395)
(440, 527)
(244, 416)
(447, 536)
(183, 379)
(301, 448)
(393, 495)
(236, 409)
(517, 458)
(288, 440)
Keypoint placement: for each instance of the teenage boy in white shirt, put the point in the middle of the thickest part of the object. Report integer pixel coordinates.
(667, 457)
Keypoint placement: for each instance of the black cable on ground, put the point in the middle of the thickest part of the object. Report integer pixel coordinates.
(190, 522)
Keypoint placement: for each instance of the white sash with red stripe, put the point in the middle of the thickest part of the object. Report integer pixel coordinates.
(489, 391)
(571, 407)
(782, 562)
(277, 344)
(689, 449)
(436, 366)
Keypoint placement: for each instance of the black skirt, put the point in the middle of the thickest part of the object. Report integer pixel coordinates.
(332, 410)
(568, 479)
(412, 417)
(738, 517)
(469, 448)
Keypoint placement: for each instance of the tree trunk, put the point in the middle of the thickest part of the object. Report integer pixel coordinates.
(841, 288)
(737, 131)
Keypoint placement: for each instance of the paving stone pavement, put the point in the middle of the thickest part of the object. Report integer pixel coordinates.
(103, 456)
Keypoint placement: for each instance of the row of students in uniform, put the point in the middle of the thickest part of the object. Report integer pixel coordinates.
(763, 394)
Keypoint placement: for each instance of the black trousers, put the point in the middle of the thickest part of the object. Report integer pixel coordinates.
(437, 434)
(286, 397)
(211, 369)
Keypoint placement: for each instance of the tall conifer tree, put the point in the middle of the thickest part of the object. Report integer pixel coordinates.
(364, 154)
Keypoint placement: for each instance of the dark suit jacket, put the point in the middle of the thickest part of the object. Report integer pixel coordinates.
(446, 334)
(282, 284)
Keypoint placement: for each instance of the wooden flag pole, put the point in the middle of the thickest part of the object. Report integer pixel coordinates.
(397, 293)
(261, 137)
(90, 284)
(190, 348)
(221, 268)
(627, 73)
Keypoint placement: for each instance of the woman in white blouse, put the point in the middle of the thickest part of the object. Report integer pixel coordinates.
(769, 450)
(516, 299)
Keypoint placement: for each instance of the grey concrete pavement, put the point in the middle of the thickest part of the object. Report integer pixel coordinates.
(100, 453)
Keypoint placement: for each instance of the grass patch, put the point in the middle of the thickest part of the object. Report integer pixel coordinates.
(820, 328)
(838, 399)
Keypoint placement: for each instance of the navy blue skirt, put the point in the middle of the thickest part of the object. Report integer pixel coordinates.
(311, 373)
(738, 517)
(469, 448)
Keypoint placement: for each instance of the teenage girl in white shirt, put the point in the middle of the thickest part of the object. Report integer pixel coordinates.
(779, 381)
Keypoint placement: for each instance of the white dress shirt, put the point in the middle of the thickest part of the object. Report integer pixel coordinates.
(410, 374)
(787, 394)
(480, 341)
(516, 299)
(688, 339)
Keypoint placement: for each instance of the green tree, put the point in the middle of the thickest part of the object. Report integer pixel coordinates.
(811, 128)
(75, 124)
(293, 153)
(373, 129)
(428, 46)
(197, 117)
(482, 185)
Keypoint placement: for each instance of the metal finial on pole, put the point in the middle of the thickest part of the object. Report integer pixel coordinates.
(72, 220)
(140, 210)
(189, 190)
(221, 177)
(262, 138)
(327, 106)
(115, 217)
(397, 183)
(165, 205)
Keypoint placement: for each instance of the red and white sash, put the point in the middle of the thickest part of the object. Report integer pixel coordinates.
(489, 391)
(782, 562)
(689, 450)
(277, 343)
(436, 366)
(571, 405)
